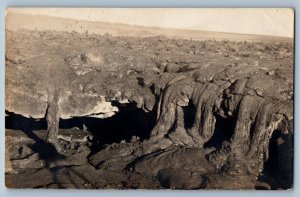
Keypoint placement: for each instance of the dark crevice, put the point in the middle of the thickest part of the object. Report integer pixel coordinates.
(224, 129)
(277, 167)
(189, 115)
(19, 122)
(271, 165)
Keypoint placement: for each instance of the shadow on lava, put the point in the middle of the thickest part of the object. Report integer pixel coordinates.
(47, 151)
(76, 179)
(130, 121)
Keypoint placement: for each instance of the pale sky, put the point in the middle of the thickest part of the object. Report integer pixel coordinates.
(261, 21)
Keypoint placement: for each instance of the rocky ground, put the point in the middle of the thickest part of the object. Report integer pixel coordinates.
(148, 113)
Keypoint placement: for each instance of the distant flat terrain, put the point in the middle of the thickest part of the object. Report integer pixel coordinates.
(39, 22)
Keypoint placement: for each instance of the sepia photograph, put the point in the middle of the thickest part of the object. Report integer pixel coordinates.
(149, 98)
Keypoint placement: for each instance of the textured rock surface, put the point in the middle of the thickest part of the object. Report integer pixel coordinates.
(126, 112)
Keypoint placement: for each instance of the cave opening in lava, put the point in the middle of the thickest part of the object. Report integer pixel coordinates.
(128, 123)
